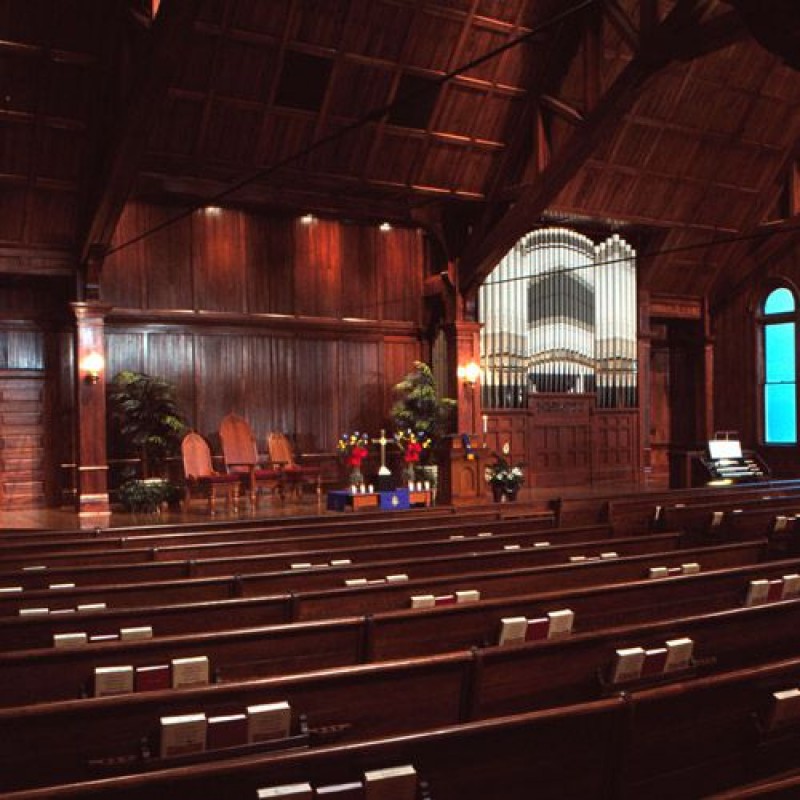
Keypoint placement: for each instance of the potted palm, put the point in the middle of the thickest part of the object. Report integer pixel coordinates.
(145, 420)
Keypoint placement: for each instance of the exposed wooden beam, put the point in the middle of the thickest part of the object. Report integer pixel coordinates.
(663, 45)
(168, 35)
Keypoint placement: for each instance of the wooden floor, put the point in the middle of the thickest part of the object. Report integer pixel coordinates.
(310, 504)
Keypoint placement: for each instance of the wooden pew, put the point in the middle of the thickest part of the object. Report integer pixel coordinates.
(274, 538)
(129, 552)
(634, 511)
(375, 561)
(438, 691)
(32, 676)
(566, 754)
(37, 631)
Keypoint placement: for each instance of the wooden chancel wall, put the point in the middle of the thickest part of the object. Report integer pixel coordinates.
(302, 327)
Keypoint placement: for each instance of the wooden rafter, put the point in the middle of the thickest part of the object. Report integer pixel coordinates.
(168, 35)
(681, 35)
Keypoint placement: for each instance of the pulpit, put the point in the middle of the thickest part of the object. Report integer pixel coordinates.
(462, 461)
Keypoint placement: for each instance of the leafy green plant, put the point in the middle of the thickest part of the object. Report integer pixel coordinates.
(146, 496)
(145, 418)
(418, 406)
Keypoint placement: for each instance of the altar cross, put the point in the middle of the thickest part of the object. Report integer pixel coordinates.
(382, 441)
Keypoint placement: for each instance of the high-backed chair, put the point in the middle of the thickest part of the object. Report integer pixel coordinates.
(201, 477)
(281, 454)
(241, 458)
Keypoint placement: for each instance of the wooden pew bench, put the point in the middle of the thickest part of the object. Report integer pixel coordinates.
(430, 540)
(38, 631)
(32, 676)
(376, 562)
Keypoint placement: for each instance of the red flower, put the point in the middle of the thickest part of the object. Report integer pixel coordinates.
(357, 455)
(413, 449)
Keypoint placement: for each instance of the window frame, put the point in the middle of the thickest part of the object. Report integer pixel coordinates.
(763, 321)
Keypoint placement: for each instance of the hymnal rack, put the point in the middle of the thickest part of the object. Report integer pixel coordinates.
(609, 688)
(146, 758)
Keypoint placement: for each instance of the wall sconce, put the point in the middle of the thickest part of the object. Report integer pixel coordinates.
(91, 366)
(469, 373)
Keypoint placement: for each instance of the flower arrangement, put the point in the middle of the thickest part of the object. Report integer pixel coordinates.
(413, 444)
(353, 448)
(504, 475)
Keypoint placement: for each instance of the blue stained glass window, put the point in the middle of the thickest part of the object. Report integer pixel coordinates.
(780, 370)
(779, 301)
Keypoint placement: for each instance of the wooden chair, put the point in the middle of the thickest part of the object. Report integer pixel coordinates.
(200, 475)
(241, 458)
(281, 454)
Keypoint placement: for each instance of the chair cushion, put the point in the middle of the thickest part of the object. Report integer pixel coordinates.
(221, 478)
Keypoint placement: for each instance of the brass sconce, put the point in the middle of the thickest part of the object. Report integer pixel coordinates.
(91, 367)
(469, 374)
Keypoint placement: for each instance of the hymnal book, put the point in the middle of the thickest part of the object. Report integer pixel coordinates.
(355, 582)
(341, 562)
(134, 634)
(791, 586)
(444, 600)
(654, 661)
(537, 629)
(485, 534)
(297, 791)
(183, 734)
(269, 721)
(785, 708)
(192, 671)
(70, 639)
(658, 572)
(775, 590)
(229, 730)
(576, 559)
(423, 601)
(511, 547)
(300, 565)
(610, 554)
(92, 607)
(112, 680)
(779, 524)
(468, 596)
(657, 513)
(757, 592)
(457, 536)
(679, 654)
(512, 630)
(394, 783)
(342, 791)
(396, 578)
(674, 571)
(62, 611)
(560, 623)
(152, 678)
(34, 568)
(374, 581)
(690, 568)
(541, 544)
(628, 664)
(99, 638)
(716, 518)
(7, 589)
(33, 612)
(61, 586)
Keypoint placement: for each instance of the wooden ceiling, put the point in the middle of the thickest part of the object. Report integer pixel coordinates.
(669, 119)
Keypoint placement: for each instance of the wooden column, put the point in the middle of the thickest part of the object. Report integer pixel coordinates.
(90, 407)
(463, 471)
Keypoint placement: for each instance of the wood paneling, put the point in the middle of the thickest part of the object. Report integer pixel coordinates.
(218, 258)
(22, 454)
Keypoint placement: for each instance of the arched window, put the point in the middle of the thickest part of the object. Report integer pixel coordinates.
(779, 367)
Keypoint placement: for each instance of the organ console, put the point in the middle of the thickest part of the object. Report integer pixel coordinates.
(726, 462)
